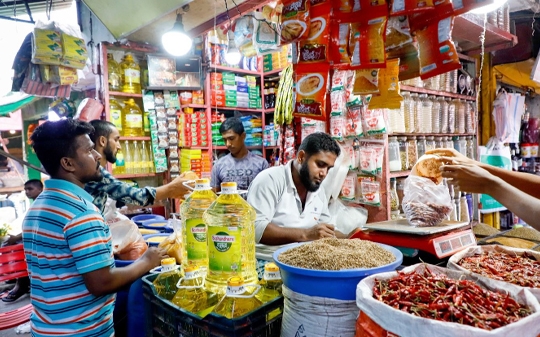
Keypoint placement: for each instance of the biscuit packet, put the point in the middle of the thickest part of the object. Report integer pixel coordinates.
(398, 32)
(315, 47)
(366, 43)
(388, 96)
(311, 83)
(366, 81)
(294, 21)
(339, 47)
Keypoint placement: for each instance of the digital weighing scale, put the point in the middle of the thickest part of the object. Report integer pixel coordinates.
(443, 240)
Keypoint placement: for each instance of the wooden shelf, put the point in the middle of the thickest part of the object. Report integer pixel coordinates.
(238, 109)
(213, 67)
(194, 106)
(124, 94)
(273, 72)
(134, 175)
(468, 28)
(435, 92)
(399, 174)
(15, 189)
(195, 147)
(269, 111)
(135, 138)
(431, 134)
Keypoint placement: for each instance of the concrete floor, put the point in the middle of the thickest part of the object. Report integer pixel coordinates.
(5, 307)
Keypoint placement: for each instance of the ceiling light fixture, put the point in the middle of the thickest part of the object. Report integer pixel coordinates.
(233, 55)
(489, 8)
(175, 41)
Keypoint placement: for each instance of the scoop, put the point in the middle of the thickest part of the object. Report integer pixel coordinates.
(428, 166)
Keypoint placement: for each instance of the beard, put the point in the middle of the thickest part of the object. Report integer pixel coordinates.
(97, 176)
(305, 178)
(110, 156)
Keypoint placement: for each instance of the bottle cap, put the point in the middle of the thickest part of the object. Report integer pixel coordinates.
(235, 281)
(228, 188)
(168, 261)
(202, 184)
(271, 266)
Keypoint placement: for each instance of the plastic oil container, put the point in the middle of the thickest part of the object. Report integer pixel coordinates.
(238, 300)
(132, 119)
(195, 249)
(165, 282)
(115, 76)
(116, 114)
(270, 284)
(191, 294)
(131, 75)
(231, 239)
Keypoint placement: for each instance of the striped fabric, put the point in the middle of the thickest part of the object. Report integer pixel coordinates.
(64, 236)
(117, 190)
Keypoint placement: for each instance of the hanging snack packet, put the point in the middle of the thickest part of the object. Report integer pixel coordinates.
(311, 82)
(352, 6)
(366, 43)
(436, 50)
(398, 32)
(408, 7)
(348, 189)
(337, 127)
(338, 102)
(464, 6)
(368, 160)
(265, 37)
(315, 48)
(366, 81)
(389, 96)
(243, 32)
(371, 194)
(379, 156)
(339, 80)
(294, 22)
(374, 122)
(339, 47)
(353, 127)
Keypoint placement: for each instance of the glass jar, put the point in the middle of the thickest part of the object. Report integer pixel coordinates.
(426, 114)
(437, 83)
(394, 158)
(416, 112)
(421, 146)
(470, 147)
(452, 106)
(460, 116)
(430, 143)
(435, 114)
(449, 143)
(404, 152)
(470, 117)
(442, 81)
(394, 199)
(440, 143)
(444, 114)
(408, 111)
(400, 190)
(412, 151)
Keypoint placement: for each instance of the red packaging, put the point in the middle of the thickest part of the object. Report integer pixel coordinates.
(314, 49)
(294, 21)
(311, 82)
(408, 7)
(352, 6)
(339, 48)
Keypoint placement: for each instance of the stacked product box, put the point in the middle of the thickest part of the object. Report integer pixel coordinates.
(277, 60)
(191, 160)
(230, 90)
(193, 128)
(206, 165)
(253, 129)
(271, 135)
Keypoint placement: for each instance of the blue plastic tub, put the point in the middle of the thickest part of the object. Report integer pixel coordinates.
(138, 219)
(155, 244)
(340, 285)
(161, 225)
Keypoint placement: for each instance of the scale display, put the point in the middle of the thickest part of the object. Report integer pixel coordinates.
(452, 243)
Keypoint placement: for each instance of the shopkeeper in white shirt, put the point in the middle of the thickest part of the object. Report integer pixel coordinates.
(290, 206)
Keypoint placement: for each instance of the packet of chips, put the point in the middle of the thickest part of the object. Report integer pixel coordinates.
(294, 21)
(315, 48)
(388, 96)
(408, 7)
(352, 6)
(398, 32)
(339, 50)
(366, 81)
(366, 43)
(311, 82)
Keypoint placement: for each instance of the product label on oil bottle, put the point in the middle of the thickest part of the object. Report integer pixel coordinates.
(196, 239)
(116, 119)
(224, 249)
(146, 122)
(120, 162)
(132, 76)
(134, 121)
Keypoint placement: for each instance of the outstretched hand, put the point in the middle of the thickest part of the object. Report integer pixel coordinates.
(469, 178)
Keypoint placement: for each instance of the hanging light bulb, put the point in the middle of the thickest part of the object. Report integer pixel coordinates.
(233, 55)
(175, 41)
(489, 8)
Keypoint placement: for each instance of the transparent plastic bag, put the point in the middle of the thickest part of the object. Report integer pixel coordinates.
(173, 243)
(128, 242)
(425, 204)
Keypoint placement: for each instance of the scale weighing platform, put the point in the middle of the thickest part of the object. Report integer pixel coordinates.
(443, 240)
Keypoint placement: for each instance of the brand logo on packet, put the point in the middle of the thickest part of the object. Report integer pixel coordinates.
(293, 8)
(223, 241)
(199, 232)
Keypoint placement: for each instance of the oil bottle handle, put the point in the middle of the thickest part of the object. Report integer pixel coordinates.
(186, 184)
(189, 287)
(157, 270)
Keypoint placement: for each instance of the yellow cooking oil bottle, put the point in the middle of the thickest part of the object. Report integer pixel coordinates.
(168, 277)
(132, 119)
(131, 75)
(115, 73)
(270, 284)
(239, 299)
(191, 294)
(230, 224)
(195, 248)
(115, 110)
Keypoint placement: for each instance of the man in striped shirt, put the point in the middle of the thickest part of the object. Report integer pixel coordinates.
(66, 242)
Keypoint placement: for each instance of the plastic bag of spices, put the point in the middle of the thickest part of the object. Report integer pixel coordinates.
(311, 82)
(315, 47)
(294, 21)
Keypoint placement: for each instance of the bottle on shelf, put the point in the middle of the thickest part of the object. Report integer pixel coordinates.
(137, 159)
(416, 112)
(394, 159)
(435, 114)
(444, 114)
(514, 159)
(146, 123)
(427, 104)
(404, 152)
(413, 151)
(470, 147)
(145, 160)
(394, 199)
(452, 106)
(266, 93)
(430, 143)
(115, 73)
(408, 112)
(128, 157)
(120, 164)
(132, 119)
(115, 110)
(421, 146)
(131, 75)
(460, 117)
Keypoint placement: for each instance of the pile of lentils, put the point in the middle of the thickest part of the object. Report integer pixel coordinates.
(337, 254)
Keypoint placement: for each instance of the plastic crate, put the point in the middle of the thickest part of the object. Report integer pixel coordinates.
(163, 318)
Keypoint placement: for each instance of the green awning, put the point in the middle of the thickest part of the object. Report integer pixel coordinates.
(13, 102)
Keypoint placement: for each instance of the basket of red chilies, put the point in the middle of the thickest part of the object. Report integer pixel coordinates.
(426, 300)
(519, 267)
